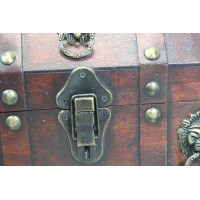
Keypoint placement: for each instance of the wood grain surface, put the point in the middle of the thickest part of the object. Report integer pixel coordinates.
(11, 76)
(182, 48)
(184, 83)
(15, 144)
(41, 52)
(50, 145)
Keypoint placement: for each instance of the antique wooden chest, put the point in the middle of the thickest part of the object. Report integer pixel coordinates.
(133, 100)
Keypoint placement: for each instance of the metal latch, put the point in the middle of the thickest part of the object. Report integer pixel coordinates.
(85, 116)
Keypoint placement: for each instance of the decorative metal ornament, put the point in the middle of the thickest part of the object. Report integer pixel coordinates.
(153, 115)
(152, 53)
(189, 137)
(85, 39)
(84, 115)
(9, 97)
(8, 57)
(152, 88)
(13, 123)
(192, 158)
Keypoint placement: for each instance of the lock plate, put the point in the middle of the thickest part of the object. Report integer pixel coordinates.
(83, 81)
(85, 116)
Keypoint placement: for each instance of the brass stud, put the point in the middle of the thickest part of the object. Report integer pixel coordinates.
(8, 57)
(152, 53)
(153, 115)
(13, 123)
(152, 88)
(77, 36)
(9, 97)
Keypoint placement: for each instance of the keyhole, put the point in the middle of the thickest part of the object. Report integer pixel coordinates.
(87, 152)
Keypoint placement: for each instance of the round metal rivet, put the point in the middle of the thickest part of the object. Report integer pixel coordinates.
(13, 123)
(153, 115)
(82, 75)
(9, 97)
(152, 53)
(104, 98)
(65, 117)
(152, 88)
(8, 57)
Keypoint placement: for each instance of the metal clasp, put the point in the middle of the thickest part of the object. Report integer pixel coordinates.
(84, 125)
(85, 116)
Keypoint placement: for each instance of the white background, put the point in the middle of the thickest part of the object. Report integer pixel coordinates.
(58, 183)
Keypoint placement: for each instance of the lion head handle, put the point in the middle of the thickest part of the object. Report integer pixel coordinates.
(189, 135)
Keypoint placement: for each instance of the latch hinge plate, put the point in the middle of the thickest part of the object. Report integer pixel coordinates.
(85, 116)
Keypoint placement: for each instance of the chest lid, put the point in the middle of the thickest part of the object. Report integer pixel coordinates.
(43, 69)
(37, 69)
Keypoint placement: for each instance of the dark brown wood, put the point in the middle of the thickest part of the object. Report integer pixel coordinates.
(176, 113)
(153, 137)
(158, 73)
(15, 144)
(11, 77)
(42, 53)
(1, 153)
(145, 40)
(119, 63)
(183, 48)
(50, 145)
(41, 89)
(184, 83)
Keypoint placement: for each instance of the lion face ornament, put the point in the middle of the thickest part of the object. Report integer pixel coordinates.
(194, 139)
(189, 137)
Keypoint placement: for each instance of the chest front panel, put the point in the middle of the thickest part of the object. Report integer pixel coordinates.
(150, 98)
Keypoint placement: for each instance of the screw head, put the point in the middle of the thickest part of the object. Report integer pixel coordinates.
(65, 117)
(152, 53)
(82, 74)
(153, 115)
(8, 57)
(9, 97)
(13, 122)
(152, 88)
(104, 98)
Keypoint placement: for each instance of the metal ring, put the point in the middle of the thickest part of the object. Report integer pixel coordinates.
(82, 54)
(192, 158)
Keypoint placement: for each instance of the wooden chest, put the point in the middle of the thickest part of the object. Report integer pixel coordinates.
(139, 87)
